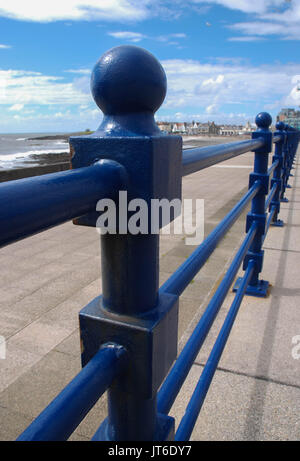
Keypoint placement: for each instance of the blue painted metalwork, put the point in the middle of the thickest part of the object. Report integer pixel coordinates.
(289, 155)
(189, 419)
(286, 162)
(32, 205)
(289, 151)
(59, 420)
(202, 157)
(146, 322)
(277, 179)
(182, 366)
(178, 281)
(269, 221)
(129, 333)
(258, 213)
(272, 167)
(270, 196)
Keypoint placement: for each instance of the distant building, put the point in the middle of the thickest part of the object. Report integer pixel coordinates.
(247, 129)
(209, 128)
(290, 116)
(179, 128)
(193, 128)
(231, 130)
(205, 129)
(165, 126)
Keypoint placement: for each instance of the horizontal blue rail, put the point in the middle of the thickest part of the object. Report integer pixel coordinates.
(180, 279)
(55, 198)
(269, 221)
(59, 420)
(202, 157)
(182, 366)
(277, 138)
(189, 419)
(270, 196)
(272, 167)
(32, 205)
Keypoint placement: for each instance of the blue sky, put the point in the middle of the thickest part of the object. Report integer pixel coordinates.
(225, 60)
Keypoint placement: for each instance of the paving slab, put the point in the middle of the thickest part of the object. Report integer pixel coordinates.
(16, 363)
(39, 385)
(242, 408)
(12, 424)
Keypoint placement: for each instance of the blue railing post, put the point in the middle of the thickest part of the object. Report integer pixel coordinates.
(285, 164)
(278, 175)
(258, 214)
(290, 137)
(293, 149)
(129, 85)
(295, 145)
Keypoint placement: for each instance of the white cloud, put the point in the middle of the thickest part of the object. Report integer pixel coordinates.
(248, 38)
(130, 10)
(79, 71)
(190, 83)
(284, 21)
(215, 85)
(261, 29)
(120, 10)
(16, 107)
(289, 15)
(218, 117)
(26, 87)
(210, 89)
(246, 6)
(293, 97)
(82, 84)
(137, 37)
(126, 35)
(211, 82)
(54, 10)
(4, 47)
(212, 109)
(296, 79)
(68, 120)
(264, 17)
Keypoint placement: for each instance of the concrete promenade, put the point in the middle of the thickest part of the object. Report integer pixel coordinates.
(46, 279)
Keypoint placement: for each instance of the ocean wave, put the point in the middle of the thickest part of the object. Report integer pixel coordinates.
(22, 155)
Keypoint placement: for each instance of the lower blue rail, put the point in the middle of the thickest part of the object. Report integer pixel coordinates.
(189, 419)
(182, 366)
(59, 420)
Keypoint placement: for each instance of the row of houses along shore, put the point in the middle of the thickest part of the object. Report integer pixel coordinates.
(287, 115)
(206, 129)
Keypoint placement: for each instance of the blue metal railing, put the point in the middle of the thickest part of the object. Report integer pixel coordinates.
(129, 333)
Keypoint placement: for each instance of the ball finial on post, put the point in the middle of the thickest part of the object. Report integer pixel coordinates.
(263, 120)
(129, 85)
(280, 126)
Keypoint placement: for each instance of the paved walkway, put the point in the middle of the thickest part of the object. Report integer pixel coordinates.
(46, 279)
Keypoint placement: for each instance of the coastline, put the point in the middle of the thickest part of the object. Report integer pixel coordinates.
(60, 161)
(63, 136)
(27, 172)
(185, 137)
